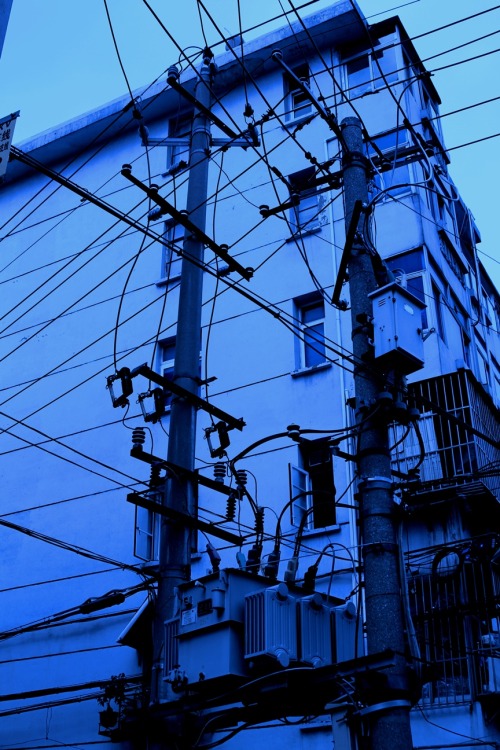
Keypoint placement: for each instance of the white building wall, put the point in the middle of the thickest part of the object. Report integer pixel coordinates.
(65, 461)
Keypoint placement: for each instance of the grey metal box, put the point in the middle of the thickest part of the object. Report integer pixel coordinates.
(397, 329)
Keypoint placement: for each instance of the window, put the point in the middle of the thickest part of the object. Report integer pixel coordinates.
(178, 154)
(390, 172)
(304, 216)
(438, 310)
(410, 266)
(171, 262)
(312, 489)
(147, 529)
(166, 361)
(455, 613)
(311, 314)
(296, 103)
(364, 73)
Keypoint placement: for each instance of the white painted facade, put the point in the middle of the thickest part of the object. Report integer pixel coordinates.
(68, 267)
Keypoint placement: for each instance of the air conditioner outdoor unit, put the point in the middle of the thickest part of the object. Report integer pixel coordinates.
(271, 625)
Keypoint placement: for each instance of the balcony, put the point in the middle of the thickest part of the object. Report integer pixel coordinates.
(454, 598)
(459, 432)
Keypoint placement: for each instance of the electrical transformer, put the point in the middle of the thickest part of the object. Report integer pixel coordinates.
(205, 641)
(397, 329)
(232, 625)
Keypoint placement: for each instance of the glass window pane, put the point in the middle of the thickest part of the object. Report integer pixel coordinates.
(314, 349)
(358, 76)
(407, 262)
(313, 312)
(386, 59)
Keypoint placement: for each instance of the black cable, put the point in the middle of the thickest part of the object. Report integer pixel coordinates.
(118, 51)
(81, 551)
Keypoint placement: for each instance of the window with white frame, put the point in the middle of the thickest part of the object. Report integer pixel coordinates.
(438, 310)
(304, 215)
(166, 362)
(312, 488)
(147, 532)
(171, 261)
(310, 311)
(393, 176)
(365, 72)
(296, 102)
(409, 268)
(178, 154)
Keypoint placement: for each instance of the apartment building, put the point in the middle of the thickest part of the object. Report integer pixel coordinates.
(91, 279)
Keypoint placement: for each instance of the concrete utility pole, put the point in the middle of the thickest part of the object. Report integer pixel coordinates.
(388, 713)
(175, 537)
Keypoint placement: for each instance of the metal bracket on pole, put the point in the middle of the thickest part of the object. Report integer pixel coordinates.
(184, 518)
(181, 218)
(152, 460)
(346, 254)
(171, 386)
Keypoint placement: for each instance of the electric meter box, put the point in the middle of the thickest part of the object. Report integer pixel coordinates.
(397, 329)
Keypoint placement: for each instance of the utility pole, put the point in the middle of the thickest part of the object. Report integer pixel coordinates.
(180, 492)
(388, 712)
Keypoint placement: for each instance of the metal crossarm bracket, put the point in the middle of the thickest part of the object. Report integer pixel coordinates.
(194, 523)
(173, 81)
(178, 390)
(181, 218)
(349, 241)
(150, 459)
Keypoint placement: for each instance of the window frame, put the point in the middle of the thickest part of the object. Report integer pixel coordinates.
(147, 532)
(312, 501)
(304, 351)
(165, 367)
(390, 143)
(308, 203)
(293, 111)
(179, 127)
(171, 263)
(374, 81)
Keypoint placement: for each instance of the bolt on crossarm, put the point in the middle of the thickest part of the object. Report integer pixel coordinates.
(175, 537)
(387, 712)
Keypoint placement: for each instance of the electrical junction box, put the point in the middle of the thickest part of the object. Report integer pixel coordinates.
(204, 642)
(397, 329)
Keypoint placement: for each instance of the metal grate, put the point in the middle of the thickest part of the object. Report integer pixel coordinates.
(452, 450)
(454, 603)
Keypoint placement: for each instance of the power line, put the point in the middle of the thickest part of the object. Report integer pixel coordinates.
(81, 551)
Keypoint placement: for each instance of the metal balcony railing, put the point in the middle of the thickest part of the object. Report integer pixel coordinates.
(454, 598)
(454, 417)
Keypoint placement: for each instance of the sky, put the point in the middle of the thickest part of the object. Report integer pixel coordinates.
(59, 61)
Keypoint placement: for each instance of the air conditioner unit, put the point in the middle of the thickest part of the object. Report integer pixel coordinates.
(271, 625)
(347, 633)
(315, 631)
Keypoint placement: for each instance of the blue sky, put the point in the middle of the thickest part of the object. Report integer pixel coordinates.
(59, 61)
